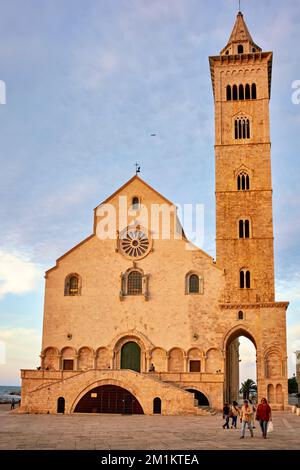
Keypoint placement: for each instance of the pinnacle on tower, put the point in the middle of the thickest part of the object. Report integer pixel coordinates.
(240, 40)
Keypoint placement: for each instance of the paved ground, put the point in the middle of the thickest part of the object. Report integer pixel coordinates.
(138, 432)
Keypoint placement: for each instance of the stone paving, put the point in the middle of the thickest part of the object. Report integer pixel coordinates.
(112, 432)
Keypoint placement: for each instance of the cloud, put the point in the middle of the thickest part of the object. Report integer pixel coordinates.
(18, 275)
(288, 289)
(21, 348)
(293, 344)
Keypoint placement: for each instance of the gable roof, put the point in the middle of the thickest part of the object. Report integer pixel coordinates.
(135, 177)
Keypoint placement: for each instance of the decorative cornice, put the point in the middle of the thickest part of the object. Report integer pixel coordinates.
(254, 305)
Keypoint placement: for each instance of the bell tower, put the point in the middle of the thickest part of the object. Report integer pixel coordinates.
(241, 80)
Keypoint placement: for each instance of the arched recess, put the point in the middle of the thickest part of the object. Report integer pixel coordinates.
(214, 361)
(131, 356)
(108, 399)
(159, 359)
(176, 360)
(232, 379)
(50, 359)
(279, 394)
(85, 358)
(137, 337)
(199, 396)
(271, 393)
(102, 358)
(273, 364)
(68, 356)
(194, 360)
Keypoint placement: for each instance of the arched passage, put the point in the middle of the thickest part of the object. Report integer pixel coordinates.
(200, 397)
(240, 364)
(109, 399)
(131, 356)
(61, 405)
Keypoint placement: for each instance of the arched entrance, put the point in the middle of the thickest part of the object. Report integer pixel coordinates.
(61, 405)
(157, 406)
(200, 397)
(240, 366)
(131, 356)
(109, 399)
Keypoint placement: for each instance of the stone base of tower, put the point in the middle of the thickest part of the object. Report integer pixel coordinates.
(81, 391)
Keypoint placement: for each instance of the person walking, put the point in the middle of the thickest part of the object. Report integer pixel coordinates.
(12, 406)
(234, 413)
(226, 413)
(246, 418)
(264, 415)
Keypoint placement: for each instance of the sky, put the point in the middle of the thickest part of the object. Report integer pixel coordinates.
(87, 82)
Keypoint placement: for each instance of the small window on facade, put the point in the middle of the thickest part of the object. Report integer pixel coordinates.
(243, 181)
(253, 49)
(68, 364)
(227, 52)
(247, 91)
(253, 90)
(72, 286)
(194, 284)
(195, 366)
(240, 49)
(241, 315)
(134, 283)
(228, 93)
(242, 128)
(241, 92)
(135, 203)
(244, 228)
(234, 93)
(245, 281)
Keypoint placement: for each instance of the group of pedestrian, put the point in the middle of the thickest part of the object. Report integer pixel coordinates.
(247, 414)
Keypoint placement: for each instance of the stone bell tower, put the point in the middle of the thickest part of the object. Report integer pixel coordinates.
(241, 79)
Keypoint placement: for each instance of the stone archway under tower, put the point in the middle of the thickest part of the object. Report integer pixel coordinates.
(232, 377)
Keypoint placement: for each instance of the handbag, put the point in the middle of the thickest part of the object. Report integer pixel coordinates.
(270, 427)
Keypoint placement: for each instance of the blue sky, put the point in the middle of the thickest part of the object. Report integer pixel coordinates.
(87, 83)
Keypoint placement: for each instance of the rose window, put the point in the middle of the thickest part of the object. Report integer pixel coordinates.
(134, 243)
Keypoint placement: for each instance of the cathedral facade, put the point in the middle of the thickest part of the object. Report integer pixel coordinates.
(139, 320)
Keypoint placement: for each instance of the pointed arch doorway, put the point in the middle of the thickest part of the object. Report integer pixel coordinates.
(240, 364)
(131, 356)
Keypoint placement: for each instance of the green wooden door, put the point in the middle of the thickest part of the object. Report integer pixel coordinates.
(131, 356)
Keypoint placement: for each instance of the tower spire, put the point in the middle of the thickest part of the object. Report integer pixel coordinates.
(240, 40)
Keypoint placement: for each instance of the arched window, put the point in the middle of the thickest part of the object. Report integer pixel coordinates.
(234, 93)
(253, 89)
(241, 315)
(243, 181)
(228, 93)
(242, 128)
(72, 285)
(134, 283)
(247, 92)
(245, 279)
(240, 49)
(194, 284)
(244, 228)
(241, 92)
(135, 204)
